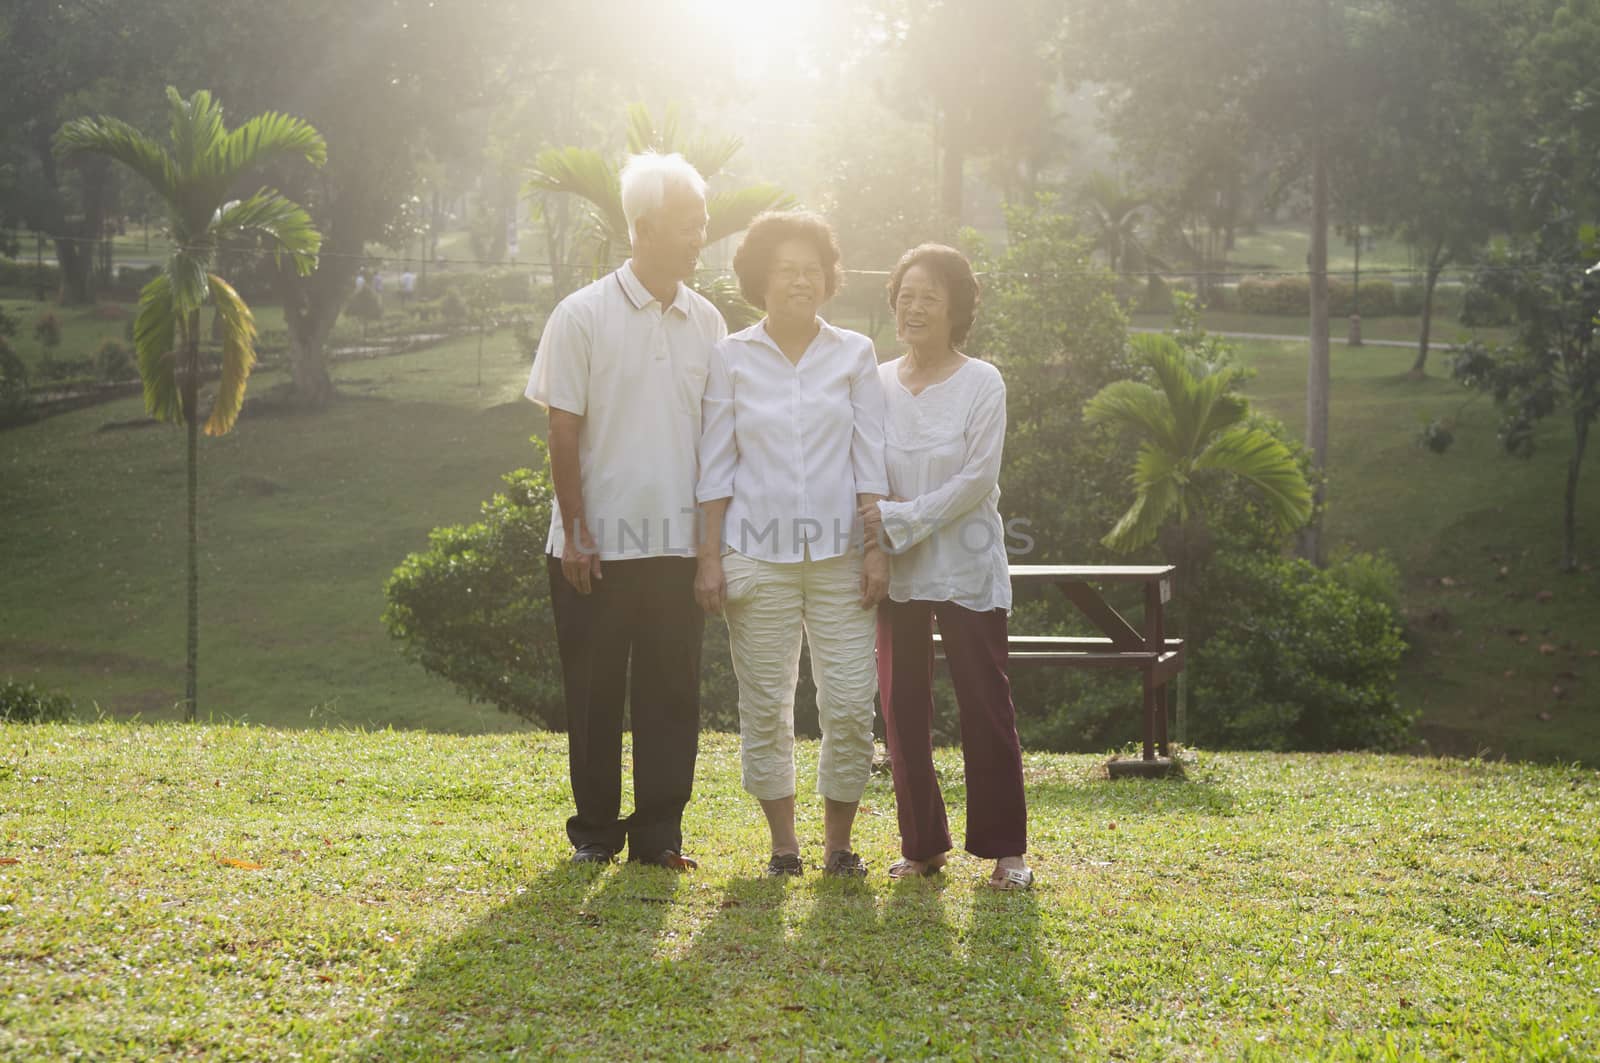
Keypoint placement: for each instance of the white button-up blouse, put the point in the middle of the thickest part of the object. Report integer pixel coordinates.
(791, 444)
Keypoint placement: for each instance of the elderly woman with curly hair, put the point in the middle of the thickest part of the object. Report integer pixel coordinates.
(791, 446)
(945, 428)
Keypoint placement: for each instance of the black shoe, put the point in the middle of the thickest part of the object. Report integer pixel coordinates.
(670, 859)
(785, 864)
(594, 853)
(842, 863)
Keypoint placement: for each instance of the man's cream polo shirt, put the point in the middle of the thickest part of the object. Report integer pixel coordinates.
(635, 373)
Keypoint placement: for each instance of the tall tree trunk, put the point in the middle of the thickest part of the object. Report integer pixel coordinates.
(75, 256)
(1430, 281)
(952, 165)
(1569, 518)
(311, 306)
(191, 417)
(1311, 546)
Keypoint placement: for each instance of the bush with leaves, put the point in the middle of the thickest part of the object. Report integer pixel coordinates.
(1297, 658)
(13, 384)
(28, 703)
(474, 608)
(113, 362)
(47, 330)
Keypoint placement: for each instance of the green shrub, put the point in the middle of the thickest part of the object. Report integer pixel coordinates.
(474, 608)
(454, 308)
(113, 362)
(27, 703)
(1291, 296)
(1481, 308)
(28, 275)
(365, 305)
(1296, 658)
(1377, 299)
(13, 384)
(47, 330)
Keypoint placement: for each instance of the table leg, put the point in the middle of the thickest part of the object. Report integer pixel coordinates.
(1155, 695)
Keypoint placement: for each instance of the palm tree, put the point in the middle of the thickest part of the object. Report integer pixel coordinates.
(589, 175)
(1116, 217)
(193, 176)
(1193, 433)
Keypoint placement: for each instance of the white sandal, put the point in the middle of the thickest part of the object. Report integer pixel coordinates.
(1012, 878)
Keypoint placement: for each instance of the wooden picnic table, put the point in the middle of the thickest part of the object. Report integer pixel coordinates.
(1158, 657)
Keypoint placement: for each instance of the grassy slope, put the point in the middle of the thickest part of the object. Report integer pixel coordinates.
(1461, 517)
(302, 520)
(411, 902)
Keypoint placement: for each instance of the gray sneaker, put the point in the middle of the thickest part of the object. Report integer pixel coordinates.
(787, 864)
(842, 863)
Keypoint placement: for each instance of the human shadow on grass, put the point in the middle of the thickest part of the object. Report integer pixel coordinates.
(581, 965)
(559, 966)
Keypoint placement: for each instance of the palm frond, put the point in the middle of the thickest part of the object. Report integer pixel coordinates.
(711, 157)
(643, 134)
(733, 211)
(191, 283)
(284, 225)
(238, 356)
(155, 334)
(1150, 510)
(1131, 404)
(1260, 458)
(196, 127)
(259, 140)
(1214, 408)
(116, 139)
(586, 174)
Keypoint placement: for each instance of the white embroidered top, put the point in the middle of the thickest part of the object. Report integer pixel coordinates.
(942, 449)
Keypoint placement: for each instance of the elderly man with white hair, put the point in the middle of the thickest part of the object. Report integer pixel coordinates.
(621, 368)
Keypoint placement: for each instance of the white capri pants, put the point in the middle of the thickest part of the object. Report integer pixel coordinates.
(769, 605)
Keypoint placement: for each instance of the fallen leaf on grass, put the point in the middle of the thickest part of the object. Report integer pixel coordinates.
(324, 977)
(1547, 649)
(1545, 716)
(728, 902)
(1446, 581)
(7, 861)
(246, 865)
(1522, 640)
(793, 1007)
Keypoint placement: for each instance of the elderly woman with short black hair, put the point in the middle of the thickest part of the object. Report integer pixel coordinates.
(944, 433)
(791, 447)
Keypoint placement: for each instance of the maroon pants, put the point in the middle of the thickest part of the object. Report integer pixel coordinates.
(975, 647)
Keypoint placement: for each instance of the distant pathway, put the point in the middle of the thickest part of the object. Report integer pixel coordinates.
(1407, 344)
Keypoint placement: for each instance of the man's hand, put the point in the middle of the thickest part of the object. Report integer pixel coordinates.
(874, 576)
(710, 585)
(580, 558)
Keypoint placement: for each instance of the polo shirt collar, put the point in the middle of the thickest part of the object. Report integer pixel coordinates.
(640, 296)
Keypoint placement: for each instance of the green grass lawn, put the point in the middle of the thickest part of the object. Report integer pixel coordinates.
(302, 519)
(242, 893)
(1284, 247)
(1477, 538)
(1446, 330)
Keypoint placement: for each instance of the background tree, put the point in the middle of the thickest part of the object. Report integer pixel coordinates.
(1194, 432)
(589, 175)
(1281, 75)
(382, 82)
(1000, 106)
(194, 176)
(65, 58)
